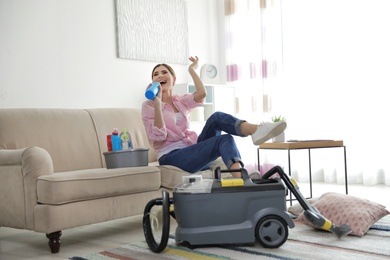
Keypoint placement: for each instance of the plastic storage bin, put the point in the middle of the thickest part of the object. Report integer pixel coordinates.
(127, 158)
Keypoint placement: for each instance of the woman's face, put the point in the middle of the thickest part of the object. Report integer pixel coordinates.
(162, 74)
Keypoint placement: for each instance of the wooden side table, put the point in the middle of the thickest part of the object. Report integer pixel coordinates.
(309, 145)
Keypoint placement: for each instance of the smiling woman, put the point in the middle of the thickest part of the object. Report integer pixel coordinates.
(143, 26)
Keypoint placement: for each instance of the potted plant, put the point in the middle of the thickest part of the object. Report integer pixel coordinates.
(279, 138)
(277, 118)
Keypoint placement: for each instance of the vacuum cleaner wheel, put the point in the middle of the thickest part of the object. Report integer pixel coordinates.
(271, 231)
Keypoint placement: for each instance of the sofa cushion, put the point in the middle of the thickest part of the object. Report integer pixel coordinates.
(66, 187)
(68, 135)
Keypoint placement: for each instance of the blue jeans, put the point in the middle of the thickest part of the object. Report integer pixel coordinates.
(211, 145)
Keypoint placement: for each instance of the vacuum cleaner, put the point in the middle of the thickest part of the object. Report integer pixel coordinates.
(231, 211)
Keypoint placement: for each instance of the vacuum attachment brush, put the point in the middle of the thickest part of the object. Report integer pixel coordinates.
(320, 221)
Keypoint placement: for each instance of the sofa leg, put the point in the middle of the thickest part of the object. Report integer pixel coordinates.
(54, 241)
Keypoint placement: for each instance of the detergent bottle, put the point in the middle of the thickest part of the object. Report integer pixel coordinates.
(116, 140)
(109, 143)
(126, 140)
(152, 91)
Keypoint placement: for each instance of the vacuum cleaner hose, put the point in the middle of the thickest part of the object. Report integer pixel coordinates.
(148, 232)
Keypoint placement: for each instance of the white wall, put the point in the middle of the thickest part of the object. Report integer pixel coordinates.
(63, 53)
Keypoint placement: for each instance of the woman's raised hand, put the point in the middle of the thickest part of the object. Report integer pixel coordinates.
(194, 64)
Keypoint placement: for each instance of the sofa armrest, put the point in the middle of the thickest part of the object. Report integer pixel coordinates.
(19, 171)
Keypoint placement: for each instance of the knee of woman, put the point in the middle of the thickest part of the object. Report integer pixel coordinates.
(218, 116)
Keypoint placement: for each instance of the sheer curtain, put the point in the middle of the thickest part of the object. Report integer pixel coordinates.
(253, 51)
(333, 84)
(254, 59)
(336, 59)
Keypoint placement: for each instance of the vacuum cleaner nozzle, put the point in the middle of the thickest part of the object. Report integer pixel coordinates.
(341, 231)
(320, 221)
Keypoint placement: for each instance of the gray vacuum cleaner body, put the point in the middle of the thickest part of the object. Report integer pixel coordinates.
(232, 211)
(214, 211)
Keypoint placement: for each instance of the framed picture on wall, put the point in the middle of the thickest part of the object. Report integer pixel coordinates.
(153, 30)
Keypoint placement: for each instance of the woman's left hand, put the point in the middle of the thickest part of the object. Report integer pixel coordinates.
(194, 64)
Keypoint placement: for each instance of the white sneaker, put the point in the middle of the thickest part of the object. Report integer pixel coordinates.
(255, 175)
(267, 130)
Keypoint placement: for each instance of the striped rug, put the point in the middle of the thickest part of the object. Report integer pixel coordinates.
(303, 243)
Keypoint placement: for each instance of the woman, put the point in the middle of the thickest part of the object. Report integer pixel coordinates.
(166, 120)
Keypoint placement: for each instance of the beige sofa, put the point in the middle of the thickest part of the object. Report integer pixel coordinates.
(53, 173)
